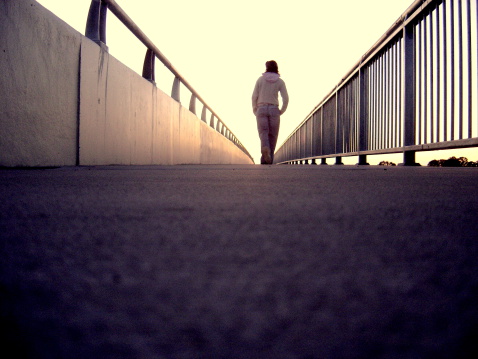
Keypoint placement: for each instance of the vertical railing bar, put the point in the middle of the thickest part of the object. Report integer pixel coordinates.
(419, 39)
(392, 93)
(356, 99)
(382, 102)
(352, 116)
(425, 81)
(409, 89)
(387, 101)
(460, 69)
(438, 113)
(470, 98)
(395, 94)
(377, 104)
(373, 108)
(369, 108)
(322, 130)
(370, 104)
(349, 116)
(385, 98)
(343, 122)
(336, 99)
(317, 132)
(312, 137)
(452, 70)
(390, 97)
(400, 93)
(346, 120)
(376, 134)
(357, 113)
(386, 134)
(445, 74)
(393, 83)
(432, 80)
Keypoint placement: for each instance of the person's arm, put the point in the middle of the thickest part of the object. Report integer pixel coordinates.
(255, 97)
(285, 97)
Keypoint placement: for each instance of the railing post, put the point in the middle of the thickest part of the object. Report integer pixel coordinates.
(408, 93)
(175, 94)
(148, 66)
(203, 114)
(211, 122)
(323, 161)
(363, 117)
(96, 23)
(338, 130)
(192, 104)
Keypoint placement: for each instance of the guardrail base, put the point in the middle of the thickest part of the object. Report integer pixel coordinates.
(363, 161)
(409, 159)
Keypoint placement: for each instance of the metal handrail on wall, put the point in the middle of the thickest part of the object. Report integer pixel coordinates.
(96, 31)
(414, 90)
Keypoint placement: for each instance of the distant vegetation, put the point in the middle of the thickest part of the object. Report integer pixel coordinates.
(386, 163)
(453, 162)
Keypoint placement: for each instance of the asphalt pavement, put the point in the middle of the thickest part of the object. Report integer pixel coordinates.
(254, 261)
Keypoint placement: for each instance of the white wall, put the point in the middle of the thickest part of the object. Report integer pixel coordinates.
(65, 101)
(39, 63)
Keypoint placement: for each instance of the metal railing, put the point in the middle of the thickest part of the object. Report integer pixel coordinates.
(414, 90)
(96, 31)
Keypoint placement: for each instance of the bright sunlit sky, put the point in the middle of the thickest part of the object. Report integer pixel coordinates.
(221, 47)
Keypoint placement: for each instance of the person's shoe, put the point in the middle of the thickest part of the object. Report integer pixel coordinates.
(266, 154)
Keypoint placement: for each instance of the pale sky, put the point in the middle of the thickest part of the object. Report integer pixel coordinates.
(221, 47)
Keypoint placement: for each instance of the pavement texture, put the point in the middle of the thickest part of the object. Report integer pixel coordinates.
(239, 262)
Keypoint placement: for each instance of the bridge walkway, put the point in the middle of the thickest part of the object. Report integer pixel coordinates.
(239, 262)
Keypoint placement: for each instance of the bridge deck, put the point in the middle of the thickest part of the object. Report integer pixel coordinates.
(239, 261)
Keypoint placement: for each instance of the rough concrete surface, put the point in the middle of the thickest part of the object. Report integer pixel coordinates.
(239, 262)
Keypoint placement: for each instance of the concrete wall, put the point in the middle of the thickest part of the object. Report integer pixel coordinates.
(65, 101)
(39, 63)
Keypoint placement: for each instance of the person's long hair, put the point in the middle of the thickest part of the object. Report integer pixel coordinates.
(271, 66)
